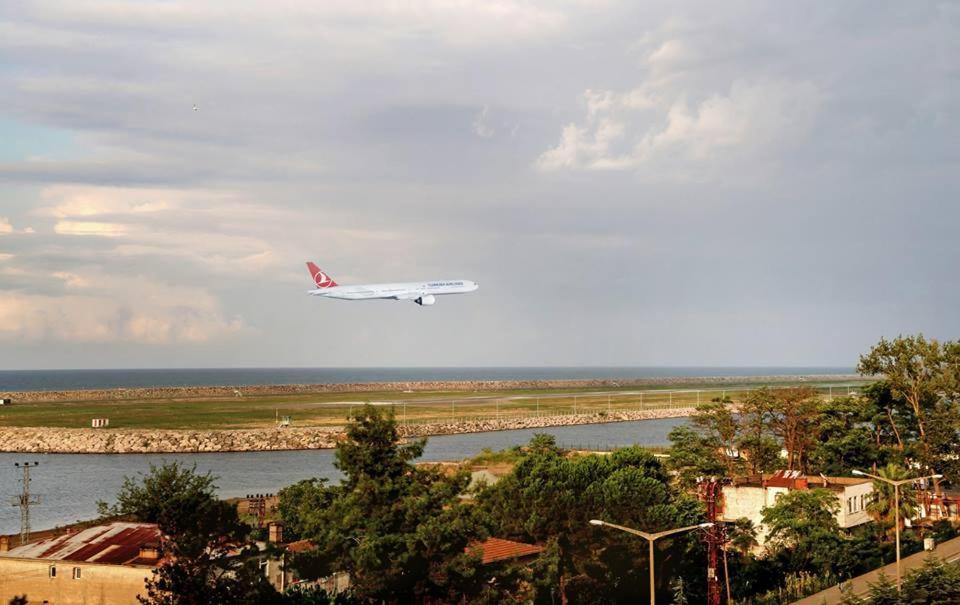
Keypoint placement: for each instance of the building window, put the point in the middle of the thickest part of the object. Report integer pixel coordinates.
(76, 573)
(53, 571)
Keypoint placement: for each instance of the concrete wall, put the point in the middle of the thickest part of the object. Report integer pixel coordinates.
(97, 584)
(749, 501)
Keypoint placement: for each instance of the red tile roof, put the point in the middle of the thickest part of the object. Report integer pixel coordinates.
(300, 546)
(111, 544)
(497, 549)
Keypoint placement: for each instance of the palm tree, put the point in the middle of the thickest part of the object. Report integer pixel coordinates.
(741, 535)
(881, 506)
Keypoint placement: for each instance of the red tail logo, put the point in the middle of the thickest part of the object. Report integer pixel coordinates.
(319, 277)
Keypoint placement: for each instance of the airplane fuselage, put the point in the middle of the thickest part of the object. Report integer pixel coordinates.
(420, 292)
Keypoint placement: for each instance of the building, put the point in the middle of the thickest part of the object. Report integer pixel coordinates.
(492, 551)
(101, 565)
(748, 496)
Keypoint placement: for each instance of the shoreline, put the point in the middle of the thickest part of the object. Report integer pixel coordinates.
(42, 440)
(229, 392)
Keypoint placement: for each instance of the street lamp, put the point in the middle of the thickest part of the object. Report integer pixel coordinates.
(896, 504)
(650, 538)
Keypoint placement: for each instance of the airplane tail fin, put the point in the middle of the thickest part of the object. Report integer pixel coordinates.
(319, 277)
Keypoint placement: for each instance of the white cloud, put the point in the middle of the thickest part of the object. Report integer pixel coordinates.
(5, 226)
(139, 311)
(90, 228)
(481, 125)
(75, 201)
(167, 223)
(646, 129)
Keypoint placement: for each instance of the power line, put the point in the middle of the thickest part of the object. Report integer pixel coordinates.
(25, 500)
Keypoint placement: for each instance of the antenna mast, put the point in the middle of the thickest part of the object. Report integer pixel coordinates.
(24, 500)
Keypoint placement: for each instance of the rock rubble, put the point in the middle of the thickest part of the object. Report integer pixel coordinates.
(144, 441)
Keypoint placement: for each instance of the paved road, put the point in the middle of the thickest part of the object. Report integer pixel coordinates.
(948, 551)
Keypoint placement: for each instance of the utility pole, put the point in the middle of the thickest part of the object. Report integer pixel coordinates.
(24, 500)
(709, 488)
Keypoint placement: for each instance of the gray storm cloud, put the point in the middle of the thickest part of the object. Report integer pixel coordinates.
(631, 183)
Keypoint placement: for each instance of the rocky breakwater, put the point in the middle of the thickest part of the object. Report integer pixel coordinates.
(536, 422)
(129, 441)
(145, 441)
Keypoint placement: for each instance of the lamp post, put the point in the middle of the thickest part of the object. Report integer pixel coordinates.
(650, 538)
(896, 505)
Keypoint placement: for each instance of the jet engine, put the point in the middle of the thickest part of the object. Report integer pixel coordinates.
(429, 299)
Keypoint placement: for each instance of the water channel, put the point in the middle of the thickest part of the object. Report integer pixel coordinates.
(69, 485)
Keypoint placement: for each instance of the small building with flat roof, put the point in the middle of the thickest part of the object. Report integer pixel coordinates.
(748, 496)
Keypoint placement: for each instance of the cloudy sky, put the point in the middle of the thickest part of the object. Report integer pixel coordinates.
(675, 183)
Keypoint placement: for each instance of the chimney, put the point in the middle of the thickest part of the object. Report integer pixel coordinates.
(275, 533)
(4, 544)
(150, 551)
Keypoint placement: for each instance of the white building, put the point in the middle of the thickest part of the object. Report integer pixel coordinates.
(748, 496)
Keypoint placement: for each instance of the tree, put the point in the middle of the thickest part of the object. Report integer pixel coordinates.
(693, 455)
(756, 436)
(550, 498)
(742, 535)
(912, 367)
(718, 426)
(848, 597)
(803, 526)
(844, 438)
(679, 593)
(794, 422)
(936, 583)
(299, 595)
(943, 435)
(401, 532)
(199, 532)
(881, 507)
(298, 503)
(884, 592)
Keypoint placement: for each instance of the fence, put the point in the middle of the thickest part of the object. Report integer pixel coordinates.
(603, 403)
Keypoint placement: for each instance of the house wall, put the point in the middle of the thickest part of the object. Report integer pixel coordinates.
(853, 505)
(749, 501)
(97, 584)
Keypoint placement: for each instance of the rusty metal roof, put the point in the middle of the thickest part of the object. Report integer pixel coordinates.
(112, 544)
(498, 549)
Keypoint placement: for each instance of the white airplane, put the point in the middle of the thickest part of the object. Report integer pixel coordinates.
(422, 293)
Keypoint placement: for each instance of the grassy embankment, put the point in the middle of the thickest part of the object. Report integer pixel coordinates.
(331, 409)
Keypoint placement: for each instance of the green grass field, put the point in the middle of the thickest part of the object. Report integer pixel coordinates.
(332, 409)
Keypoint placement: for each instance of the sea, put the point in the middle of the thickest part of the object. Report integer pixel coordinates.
(63, 380)
(69, 485)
